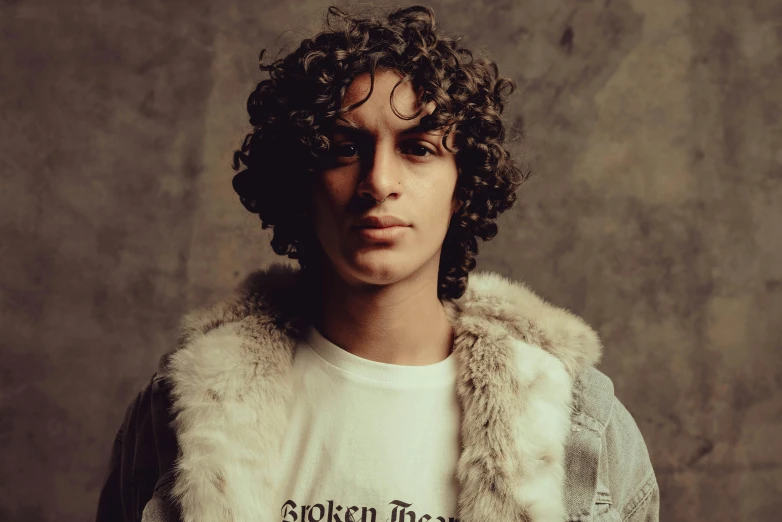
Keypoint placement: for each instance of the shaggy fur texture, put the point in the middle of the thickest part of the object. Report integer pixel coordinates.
(517, 356)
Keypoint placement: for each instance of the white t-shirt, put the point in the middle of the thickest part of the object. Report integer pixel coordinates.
(368, 441)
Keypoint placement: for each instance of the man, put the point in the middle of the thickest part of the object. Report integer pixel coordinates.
(376, 382)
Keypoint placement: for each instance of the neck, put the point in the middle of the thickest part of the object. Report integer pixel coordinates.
(400, 323)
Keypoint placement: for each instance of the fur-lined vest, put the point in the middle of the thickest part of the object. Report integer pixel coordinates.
(211, 419)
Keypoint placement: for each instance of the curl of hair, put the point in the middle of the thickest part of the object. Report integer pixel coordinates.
(291, 111)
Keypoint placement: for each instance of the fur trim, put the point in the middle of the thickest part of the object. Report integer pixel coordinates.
(518, 356)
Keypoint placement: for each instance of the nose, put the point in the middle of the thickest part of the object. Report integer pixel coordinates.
(380, 176)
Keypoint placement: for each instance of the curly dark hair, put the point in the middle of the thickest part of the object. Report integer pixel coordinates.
(292, 110)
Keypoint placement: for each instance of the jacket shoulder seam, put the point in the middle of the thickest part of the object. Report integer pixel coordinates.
(593, 407)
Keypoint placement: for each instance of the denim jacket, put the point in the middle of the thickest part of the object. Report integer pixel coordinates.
(212, 417)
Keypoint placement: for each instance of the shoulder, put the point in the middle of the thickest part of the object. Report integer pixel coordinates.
(146, 429)
(142, 455)
(148, 439)
(593, 398)
(608, 466)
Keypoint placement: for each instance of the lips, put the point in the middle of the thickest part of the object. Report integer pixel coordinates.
(380, 222)
(381, 229)
(381, 234)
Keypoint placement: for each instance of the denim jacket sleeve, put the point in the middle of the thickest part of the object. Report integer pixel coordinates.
(630, 474)
(143, 451)
(609, 475)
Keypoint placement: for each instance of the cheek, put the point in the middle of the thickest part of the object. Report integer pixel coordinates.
(322, 197)
(330, 196)
(441, 204)
(334, 189)
(436, 217)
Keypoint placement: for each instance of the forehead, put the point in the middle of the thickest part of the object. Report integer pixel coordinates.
(377, 108)
(375, 115)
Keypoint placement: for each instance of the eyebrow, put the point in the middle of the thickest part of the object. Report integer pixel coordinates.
(354, 130)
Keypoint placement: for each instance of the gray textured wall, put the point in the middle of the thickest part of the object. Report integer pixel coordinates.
(655, 213)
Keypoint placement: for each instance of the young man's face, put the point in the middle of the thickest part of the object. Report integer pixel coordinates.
(411, 175)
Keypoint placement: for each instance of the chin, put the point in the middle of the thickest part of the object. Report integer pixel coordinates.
(377, 268)
(383, 267)
(379, 265)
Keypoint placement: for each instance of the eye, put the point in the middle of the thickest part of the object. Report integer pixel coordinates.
(345, 150)
(417, 149)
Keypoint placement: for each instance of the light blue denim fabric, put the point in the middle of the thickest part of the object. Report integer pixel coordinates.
(609, 476)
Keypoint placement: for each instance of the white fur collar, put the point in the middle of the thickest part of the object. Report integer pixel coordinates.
(229, 392)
